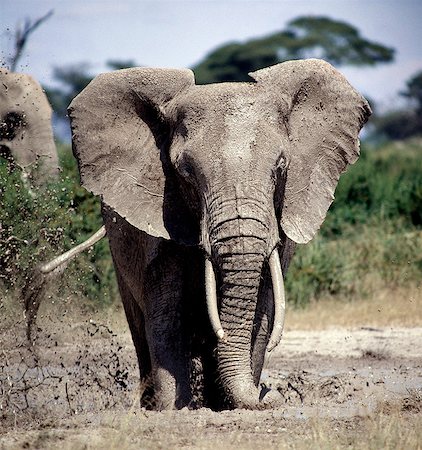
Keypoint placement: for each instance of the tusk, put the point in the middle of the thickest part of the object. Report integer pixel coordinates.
(211, 294)
(66, 257)
(279, 300)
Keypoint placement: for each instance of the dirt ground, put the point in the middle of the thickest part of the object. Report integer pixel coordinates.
(78, 389)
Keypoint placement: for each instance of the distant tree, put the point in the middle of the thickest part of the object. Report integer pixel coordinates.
(407, 122)
(396, 125)
(414, 91)
(318, 37)
(337, 42)
(21, 36)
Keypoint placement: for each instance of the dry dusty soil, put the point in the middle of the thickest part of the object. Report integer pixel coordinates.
(78, 388)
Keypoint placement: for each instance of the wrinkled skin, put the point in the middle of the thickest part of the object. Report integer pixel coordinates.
(228, 172)
(26, 135)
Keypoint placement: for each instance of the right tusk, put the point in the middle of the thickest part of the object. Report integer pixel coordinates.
(279, 300)
(211, 294)
(73, 252)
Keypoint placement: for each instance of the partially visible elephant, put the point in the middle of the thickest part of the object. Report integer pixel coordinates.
(206, 190)
(26, 135)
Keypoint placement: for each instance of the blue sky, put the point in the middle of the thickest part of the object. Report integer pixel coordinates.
(176, 33)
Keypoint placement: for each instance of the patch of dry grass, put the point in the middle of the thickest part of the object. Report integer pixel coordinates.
(381, 431)
(388, 428)
(387, 307)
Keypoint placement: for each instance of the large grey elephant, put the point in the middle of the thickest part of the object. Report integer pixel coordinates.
(206, 190)
(26, 135)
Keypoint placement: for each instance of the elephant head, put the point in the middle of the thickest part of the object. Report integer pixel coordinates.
(26, 135)
(242, 170)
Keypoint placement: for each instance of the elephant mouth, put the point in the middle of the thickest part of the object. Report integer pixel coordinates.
(278, 295)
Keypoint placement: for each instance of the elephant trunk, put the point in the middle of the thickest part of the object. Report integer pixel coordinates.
(239, 293)
(241, 237)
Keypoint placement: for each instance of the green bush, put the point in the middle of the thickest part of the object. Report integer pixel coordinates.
(384, 184)
(383, 254)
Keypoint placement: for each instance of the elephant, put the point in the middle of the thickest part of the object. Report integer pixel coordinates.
(206, 190)
(26, 134)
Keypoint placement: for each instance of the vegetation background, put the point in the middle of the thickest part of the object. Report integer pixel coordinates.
(371, 239)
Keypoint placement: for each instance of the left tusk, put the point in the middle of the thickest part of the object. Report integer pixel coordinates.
(279, 300)
(211, 294)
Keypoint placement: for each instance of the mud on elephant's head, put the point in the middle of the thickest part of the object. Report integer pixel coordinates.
(26, 135)
(238, 169)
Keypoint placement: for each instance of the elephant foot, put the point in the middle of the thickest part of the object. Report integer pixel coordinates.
(168, 401)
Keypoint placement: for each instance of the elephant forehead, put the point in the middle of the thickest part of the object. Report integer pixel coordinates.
(223, 98)
(240, 129)
(232, 113)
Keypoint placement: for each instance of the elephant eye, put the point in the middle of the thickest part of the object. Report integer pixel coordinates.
(186, 169)
(184, 166)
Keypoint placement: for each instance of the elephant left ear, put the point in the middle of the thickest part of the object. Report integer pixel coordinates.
(322, 115)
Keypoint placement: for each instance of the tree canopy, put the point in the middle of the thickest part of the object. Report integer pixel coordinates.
(305, 37)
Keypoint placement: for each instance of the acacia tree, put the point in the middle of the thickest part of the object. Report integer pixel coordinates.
(337, 42)
(318, 37)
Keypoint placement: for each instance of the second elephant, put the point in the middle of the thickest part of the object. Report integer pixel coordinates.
(206, 190)
(26, 134)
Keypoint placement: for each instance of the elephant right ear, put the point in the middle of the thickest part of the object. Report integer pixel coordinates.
(118, 132)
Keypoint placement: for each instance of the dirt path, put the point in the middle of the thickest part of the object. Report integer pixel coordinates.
(79, 390)
(354, 343)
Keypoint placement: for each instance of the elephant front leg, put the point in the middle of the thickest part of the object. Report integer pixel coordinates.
(164, 329)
